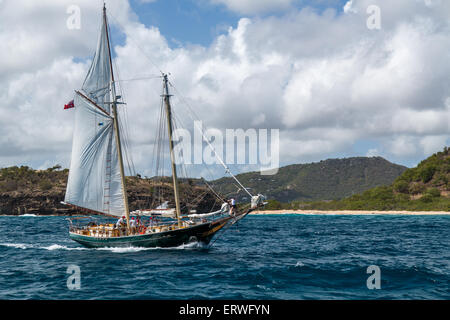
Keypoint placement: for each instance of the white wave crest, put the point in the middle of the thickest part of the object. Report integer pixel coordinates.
(59, 247)
(192, 245)
(30, 246)
(123, 249)
(17, 245)
(299, 264)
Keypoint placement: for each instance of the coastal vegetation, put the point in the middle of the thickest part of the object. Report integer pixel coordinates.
(330, 179)
(423, 188)
(345, 183)
(25, 190)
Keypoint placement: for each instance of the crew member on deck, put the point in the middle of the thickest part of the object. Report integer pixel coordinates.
(120, 225)
(232, 207)
(133, 225)
(138, 221)
(121, 222)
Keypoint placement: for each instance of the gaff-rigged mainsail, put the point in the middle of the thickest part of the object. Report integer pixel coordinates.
(95, 180)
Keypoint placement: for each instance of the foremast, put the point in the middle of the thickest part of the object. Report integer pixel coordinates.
(166, 97)
(116, 125)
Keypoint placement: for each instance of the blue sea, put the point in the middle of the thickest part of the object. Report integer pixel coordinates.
(262, 257)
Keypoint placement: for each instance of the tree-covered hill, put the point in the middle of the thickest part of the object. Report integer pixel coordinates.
(425, 187)
(325, 180)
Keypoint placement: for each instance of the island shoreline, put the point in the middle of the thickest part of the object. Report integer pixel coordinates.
(348, 212)
(282, 212)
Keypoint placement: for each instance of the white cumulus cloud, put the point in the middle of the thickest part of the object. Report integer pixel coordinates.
(322, 78)
(254, 6)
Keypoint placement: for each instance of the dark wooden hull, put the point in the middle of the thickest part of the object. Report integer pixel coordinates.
(174, 238)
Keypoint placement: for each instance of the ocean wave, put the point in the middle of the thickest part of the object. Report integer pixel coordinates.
(31, 246)
(194, 245)
(123, 249)
(17, 245)
(299, 264)
(60, 247)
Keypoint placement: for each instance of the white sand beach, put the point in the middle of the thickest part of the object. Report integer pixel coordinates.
(350, 212)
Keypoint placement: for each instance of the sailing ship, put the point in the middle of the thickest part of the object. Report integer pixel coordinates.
(97, 185)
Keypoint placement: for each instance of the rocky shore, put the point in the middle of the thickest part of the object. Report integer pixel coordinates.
(40, 192)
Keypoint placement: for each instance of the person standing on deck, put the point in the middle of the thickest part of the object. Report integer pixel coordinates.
(232, 207)
(121, 223)
(133, 225)
(138, 221)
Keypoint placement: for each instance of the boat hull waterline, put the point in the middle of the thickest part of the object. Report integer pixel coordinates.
(199, 233)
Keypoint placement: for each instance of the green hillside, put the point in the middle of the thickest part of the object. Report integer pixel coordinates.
(24, 190)
(325, 180)
(425, 187)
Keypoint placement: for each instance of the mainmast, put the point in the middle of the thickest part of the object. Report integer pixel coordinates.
(116, 125)
(172, 155)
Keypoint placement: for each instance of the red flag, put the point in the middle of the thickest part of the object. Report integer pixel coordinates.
(69, 105)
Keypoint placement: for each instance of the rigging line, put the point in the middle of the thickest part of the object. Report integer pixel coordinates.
(156, 146)
(161, 138)
(178, 123)
(229, 224)
(124, 127)
(184, 168)
(124, 130)
(161, 132)
(209, 171)
(135, 43)
(127, 146)
(159, 153)
(208, 142)
(130, 146)
(182, 165)
(203, 164)
(127, 143)
(214, 204)
(199, 198)
(155, 164)
(216, 194)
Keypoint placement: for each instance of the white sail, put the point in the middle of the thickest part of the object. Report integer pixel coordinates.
(97, 84)
(94, 177)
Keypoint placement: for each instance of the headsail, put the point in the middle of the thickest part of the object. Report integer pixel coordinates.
(97, 84)
(95, 180)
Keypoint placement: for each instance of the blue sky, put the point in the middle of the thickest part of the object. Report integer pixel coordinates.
(185, 22)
